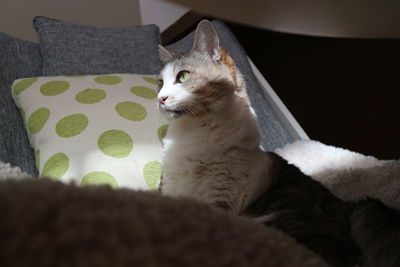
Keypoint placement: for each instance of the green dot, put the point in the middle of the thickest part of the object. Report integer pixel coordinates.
(162, 131)
(144, 92)
(90, 96)
(99, 178)
(151, 80)
(54, 88)
(38, 119)
(23, 84)
(71, 125)
(115, 143)
(131, 111)
(37, 159)
(108, 79)
(56, 166)
(152, 174)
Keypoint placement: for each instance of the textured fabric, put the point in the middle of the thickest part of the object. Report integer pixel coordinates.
(349, 175)
(274, 134)
(9, 172)
(45, 223)
(69, 48)
(90, 129)
(18, 59)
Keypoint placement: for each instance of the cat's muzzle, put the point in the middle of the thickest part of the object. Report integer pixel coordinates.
(173, 113)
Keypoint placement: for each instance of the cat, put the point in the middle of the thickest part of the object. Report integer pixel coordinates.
(213, 136)
(212, 153)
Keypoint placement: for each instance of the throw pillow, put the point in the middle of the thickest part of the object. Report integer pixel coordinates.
(69, 48)
(94, 129)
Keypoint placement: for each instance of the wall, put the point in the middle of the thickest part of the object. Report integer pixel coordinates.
(161, 13)
(16, 15)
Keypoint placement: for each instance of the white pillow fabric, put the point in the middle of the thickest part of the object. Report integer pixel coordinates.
(103, 129)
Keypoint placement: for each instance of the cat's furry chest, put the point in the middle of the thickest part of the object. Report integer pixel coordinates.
(185, 154)
(212, 164)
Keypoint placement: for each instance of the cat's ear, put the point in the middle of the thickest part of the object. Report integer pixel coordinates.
(165, 55)
(206, 40)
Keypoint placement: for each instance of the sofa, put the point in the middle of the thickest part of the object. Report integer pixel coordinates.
(49, 223)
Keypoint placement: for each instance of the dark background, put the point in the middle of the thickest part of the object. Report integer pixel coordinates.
(343, 92)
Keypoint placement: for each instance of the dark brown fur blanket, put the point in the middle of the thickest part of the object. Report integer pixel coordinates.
(46, 223)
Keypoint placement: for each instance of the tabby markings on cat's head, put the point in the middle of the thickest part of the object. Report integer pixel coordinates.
(199, 81)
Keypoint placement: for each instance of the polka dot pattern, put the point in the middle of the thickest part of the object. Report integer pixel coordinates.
(144, 92)
(151, 80)
(71, 125)
(162, 131)
(56, 166)
(90, 96)
(23, 84)
(54, 88)
(152, 174)
(131, 111)
(108, 79)
(94, 129)
(38, 119)
(115, 143)
(99, 178)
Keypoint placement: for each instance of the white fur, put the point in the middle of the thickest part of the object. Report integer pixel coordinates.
(175, 92)
(191, 144)
(8, 172)
(214, 155)
(348, 175)
(314, 158)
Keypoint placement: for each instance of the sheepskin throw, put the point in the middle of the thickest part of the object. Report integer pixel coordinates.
(348, 175)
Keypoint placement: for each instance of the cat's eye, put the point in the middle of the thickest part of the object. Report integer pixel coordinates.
(182, 76)
(160, 84)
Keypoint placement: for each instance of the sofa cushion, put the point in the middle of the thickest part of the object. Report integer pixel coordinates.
(70, 48)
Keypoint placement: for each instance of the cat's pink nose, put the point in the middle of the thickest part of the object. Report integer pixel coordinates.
(162, 99)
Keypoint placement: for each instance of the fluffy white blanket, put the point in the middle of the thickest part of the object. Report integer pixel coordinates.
(9, 172)
(348, 175)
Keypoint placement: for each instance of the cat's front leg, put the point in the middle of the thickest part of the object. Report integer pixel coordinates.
(229, 205)
(224, 205)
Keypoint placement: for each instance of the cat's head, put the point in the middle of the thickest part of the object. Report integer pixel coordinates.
(201, 80)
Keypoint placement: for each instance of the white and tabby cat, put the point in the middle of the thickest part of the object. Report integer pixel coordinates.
(212, 153)
(211, 150)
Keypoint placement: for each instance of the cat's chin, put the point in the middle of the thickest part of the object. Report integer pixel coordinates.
(175, 113)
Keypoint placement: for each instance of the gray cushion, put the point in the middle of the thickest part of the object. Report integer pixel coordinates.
(18, 59)
(69, 48)
(274, 133)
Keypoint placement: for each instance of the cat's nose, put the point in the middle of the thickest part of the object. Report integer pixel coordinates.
(162, 99)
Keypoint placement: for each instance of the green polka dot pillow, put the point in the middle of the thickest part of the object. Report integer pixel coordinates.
(94, 129)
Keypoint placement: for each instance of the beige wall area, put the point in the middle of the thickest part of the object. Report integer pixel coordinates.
(16, 15)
